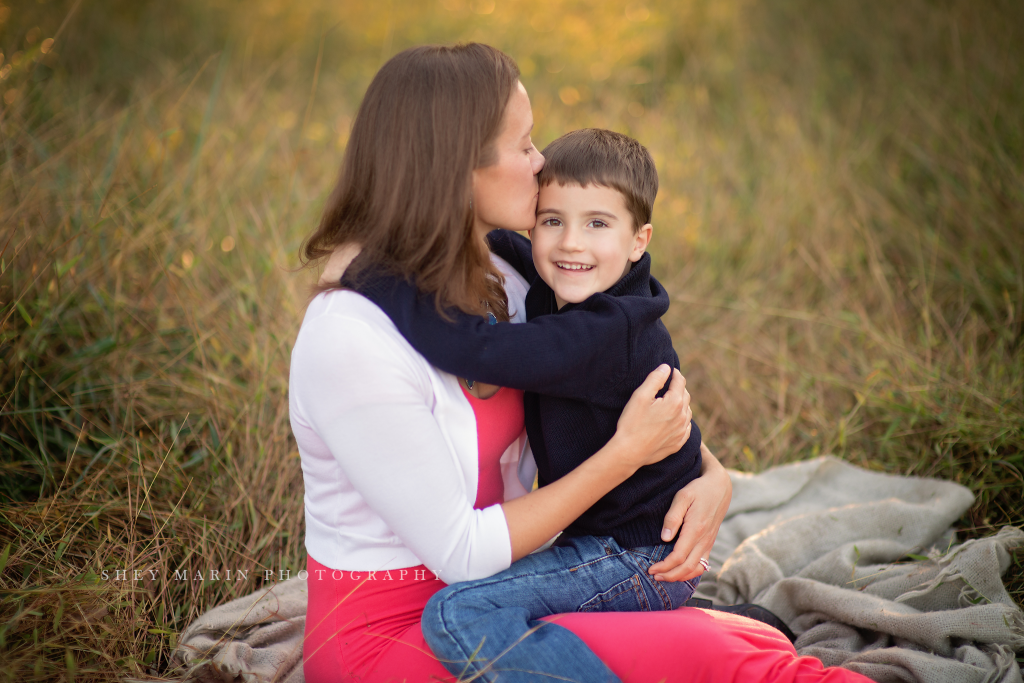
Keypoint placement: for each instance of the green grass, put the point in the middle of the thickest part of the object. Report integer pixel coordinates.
(841, 226)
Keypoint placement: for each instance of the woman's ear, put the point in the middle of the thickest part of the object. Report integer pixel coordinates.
(640, 241)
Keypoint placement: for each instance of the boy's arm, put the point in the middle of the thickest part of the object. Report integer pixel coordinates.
(515, 249)
(566, 355)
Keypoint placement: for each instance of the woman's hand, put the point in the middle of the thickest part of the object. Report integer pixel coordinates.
(699, 507)
(655, 428)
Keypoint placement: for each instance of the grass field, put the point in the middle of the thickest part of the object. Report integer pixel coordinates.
(841, 226)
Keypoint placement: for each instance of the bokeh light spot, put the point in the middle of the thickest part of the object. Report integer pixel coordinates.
(600, 71)
(316, 132)
(541, 24)
(637, 12)
(639, 76)
(569, 95)
(483, 6)
(287, 120)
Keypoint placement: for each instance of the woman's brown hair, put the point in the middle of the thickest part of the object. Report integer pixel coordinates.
(429, 117)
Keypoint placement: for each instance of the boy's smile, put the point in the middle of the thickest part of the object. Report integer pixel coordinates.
(584, 240)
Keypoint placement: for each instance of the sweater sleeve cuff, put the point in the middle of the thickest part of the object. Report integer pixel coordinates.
(493, 552)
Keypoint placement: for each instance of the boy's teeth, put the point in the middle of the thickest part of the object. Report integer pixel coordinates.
(573, 266)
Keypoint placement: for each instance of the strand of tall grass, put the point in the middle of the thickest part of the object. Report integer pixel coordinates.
(841, 224)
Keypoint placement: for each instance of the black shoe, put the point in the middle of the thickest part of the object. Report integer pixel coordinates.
(755, 612)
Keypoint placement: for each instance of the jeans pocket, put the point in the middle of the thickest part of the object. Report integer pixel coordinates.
(677, 593)
(625, 596)
(645, 556)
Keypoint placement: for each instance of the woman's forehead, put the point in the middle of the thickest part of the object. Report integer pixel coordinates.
(518, 121)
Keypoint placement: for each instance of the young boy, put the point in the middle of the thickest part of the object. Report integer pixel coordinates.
(593, 335)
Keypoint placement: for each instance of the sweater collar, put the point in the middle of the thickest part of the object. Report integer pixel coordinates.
(637, 282)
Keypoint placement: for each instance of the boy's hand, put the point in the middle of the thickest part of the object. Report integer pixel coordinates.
(699, 507)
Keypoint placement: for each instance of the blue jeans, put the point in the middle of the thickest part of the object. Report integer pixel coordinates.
(480, 629)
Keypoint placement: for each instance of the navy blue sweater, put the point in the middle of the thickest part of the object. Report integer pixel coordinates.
(578, 367)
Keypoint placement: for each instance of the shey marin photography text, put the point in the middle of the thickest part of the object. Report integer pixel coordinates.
(209, 575)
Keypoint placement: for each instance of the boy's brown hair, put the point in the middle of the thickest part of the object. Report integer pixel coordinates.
(594, 156)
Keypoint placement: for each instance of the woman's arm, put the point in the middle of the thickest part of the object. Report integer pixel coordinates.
(353, 385)
(699, 507)
(370, 402)
(648, 430)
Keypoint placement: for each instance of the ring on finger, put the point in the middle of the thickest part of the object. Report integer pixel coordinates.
(704, 563)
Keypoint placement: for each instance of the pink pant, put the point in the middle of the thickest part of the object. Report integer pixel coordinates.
(366, 628)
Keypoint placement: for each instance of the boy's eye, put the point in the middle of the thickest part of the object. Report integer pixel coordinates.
(551, 221)
(598, 223)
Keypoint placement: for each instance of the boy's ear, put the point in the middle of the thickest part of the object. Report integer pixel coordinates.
(641, 240)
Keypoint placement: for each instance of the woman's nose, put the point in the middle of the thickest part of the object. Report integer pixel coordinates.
(538, 161)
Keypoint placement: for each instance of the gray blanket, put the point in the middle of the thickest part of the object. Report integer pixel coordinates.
(862, 566)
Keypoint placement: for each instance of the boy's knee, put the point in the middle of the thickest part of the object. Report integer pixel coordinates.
(463, 599)
(442, 602)
(434, 604)
(432, 621)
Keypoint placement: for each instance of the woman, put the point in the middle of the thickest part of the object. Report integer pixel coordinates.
(412, 476)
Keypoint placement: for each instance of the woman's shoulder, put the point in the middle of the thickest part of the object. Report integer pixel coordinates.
(344, 308)
(342, 324)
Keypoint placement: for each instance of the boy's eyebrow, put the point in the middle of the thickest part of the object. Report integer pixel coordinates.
(558, 212)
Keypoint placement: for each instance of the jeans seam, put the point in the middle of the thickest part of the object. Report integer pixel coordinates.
(588, 564)
(638, 580)
(476, 668)
(666, 600)
(653, 558)
(634, 586)
(641, 593)
(483, 669)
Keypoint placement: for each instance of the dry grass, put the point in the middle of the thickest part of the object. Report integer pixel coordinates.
(841, 223)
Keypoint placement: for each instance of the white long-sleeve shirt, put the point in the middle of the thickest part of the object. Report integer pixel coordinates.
(389, 450)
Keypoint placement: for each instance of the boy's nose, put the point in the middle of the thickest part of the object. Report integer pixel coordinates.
(571, 240)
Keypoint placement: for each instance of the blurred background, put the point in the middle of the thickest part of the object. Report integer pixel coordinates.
(840, 225)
